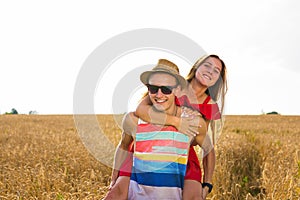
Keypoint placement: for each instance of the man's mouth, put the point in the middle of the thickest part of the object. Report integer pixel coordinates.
(160, 100)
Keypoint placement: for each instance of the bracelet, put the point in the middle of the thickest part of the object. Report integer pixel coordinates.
(210, 186)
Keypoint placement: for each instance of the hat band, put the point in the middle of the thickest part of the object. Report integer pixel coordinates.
(170, 70)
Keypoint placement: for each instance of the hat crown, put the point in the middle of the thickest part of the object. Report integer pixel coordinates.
(164, 66)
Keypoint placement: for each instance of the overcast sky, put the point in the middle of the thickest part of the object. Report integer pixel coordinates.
(44, 44)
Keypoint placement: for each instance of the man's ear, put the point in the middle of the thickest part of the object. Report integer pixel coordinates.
(177, 90)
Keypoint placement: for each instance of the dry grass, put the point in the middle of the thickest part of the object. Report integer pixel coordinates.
(258, 158)
(43, 157)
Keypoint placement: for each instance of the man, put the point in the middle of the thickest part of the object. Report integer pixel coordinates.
(160, 154)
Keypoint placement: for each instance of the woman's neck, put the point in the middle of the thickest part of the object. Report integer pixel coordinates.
(196, 90)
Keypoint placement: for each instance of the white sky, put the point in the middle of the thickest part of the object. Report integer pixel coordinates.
(43, 45)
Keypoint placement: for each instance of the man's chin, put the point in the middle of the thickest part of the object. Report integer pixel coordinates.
(159, 107)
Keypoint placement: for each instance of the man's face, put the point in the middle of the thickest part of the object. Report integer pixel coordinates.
(159, 97)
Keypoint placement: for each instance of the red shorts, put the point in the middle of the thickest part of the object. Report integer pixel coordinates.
(193, 170)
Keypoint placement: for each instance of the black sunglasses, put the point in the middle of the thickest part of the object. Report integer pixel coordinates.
(153, 89)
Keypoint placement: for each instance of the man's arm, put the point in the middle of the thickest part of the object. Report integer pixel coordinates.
(120, 156)
(129, 127)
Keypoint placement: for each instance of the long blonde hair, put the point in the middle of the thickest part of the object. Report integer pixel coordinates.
(218, 90)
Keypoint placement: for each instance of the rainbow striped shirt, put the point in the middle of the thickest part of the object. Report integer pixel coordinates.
(159, 163)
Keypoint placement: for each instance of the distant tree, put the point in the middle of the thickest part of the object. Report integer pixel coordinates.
(33, 112)
(273, 113)
(14, 111)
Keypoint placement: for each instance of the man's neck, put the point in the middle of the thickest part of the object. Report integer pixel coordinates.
(171, 111)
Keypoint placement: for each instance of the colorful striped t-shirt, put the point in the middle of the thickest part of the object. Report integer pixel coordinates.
(159, 163)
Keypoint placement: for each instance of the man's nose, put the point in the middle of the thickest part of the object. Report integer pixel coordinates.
(159, 93)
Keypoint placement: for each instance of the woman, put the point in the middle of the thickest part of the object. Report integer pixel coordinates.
(207, 84)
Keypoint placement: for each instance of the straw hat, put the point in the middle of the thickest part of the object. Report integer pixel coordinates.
(164, 66)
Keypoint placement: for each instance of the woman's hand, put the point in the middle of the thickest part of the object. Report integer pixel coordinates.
(189, 123)
(188, 112)
(204, 192)
(189, 126)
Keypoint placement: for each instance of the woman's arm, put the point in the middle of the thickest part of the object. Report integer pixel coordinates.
(209, 158)
(208, 166)
(188, 125)
(147, 113)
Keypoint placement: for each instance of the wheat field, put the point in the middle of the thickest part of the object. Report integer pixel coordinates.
(43, 157)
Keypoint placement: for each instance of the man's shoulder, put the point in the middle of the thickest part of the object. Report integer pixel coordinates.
(130, 118)
(129, 123)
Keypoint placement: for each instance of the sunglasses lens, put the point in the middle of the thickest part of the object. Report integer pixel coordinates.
(153, 89)
(166, 90)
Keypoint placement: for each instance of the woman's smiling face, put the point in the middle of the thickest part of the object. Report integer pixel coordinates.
(209, 71)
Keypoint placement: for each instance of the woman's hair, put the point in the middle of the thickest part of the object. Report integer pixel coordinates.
(219, 89)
